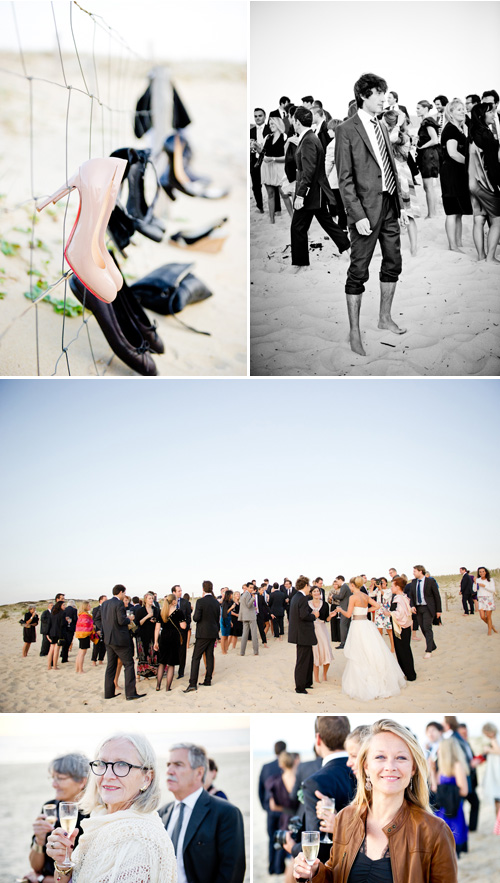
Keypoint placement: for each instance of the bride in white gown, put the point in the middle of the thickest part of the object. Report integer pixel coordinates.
(372, 671)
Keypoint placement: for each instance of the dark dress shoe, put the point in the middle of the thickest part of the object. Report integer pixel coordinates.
(339, 647)
(137, 211)
(180, 675)
(190, 689)
(122, 334)
(136, 696)
(302, 691)
(113, 697)
(204, 684)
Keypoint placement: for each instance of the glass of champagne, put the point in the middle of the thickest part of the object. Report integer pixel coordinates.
(310, 845)
(327, 809)
(68, 815)
(50, 812)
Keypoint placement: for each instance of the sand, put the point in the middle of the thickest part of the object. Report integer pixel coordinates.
(447, 301)
(219, 152)
(462, 675)
(477, 866)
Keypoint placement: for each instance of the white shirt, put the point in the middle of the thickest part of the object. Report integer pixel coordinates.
(366, 119)
(189, 804)
(333, 756)
(259, 134)
(423, 602)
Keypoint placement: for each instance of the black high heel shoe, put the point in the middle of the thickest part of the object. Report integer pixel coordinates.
(138, 214)
(176, 177)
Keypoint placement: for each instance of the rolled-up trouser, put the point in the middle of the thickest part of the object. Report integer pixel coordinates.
(387, 232)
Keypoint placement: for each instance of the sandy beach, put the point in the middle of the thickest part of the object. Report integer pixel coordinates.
(461, 674)
(447, 301)
(219, 153)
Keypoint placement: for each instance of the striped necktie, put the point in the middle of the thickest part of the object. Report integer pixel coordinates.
(390, 182)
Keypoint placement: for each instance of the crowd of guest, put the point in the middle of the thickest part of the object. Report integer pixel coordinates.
(121, 833)
(348, 785)
(455, 143)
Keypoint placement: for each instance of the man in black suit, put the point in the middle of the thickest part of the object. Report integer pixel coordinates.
(466, 591)
(44, 629)
(288, 592)
(206, 832)
(369, 187)
(393, 104)
(273, 818)
(334, 779)
(99, 649)
(206, 616)
(69, 628)
(185, 609)
(312, 193)
(116, 632)
(342, 599)
(258, 134)
(319, 126)
(276, 606)
(425, 600)
(305, 769)
(301, 632)
(282, 113)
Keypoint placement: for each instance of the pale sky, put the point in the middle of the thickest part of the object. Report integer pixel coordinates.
(422, 49)
(166, 31)
(176, 481)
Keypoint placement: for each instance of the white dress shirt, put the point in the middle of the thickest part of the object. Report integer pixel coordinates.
(189, 804)
(366, 119)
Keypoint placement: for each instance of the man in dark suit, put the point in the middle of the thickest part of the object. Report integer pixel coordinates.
(282, 113)
(305, 769)
(319, 126)
(288, 591)
(425, 600)
(273, 818)
(393, 104)
(185, 609)
(342, 599)
(258, 134)
(276, 606)
(118, 641)
(99, 649)
(369, 187)
(44, 629)
(312, 192)
(206, 832)
(206, 616)
(466, 591)
(301, 632)
(334, 779)
(69, 627)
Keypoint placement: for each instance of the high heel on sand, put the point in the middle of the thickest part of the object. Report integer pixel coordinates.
(98, 182)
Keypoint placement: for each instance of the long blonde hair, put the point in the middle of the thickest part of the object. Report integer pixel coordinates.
(166, 607)
(449, 753)
(417, 791)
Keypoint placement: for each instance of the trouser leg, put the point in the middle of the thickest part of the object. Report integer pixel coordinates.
(244, 638)
(425, 623)
(199, 649)
(301, 221)
(325, 220)
(257, 186)
(182, 656)
(255, 637)
(109, 677)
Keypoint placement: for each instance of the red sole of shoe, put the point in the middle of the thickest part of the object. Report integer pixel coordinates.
(85, 285)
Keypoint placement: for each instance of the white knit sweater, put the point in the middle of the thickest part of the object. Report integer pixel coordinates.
(124, 847)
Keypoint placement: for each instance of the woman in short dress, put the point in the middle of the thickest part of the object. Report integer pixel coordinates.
(428, 154)
(322, 651)
(29, 622)
(271, 172)
(383, 619)
(236, 625)
(484, 181)
(55, 633)
(225, 620)
(170, 632)
(400, 140)
(486, 597)
(453, 172)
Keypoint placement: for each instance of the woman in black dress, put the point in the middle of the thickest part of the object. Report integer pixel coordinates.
(453, 172)
(29, 621)
(190, 612)
(55, 633)
(146, 617)
(236, 625)
(334, 623)
(170, 632)
(484, 180)
(428, 154)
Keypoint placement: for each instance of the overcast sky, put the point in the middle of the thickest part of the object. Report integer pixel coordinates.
(422, 49)
(176, 481)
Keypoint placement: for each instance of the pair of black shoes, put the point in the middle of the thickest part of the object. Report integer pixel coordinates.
(136, 214)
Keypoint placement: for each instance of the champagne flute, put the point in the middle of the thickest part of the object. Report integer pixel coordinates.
(50, 812)
(310, 846)
(68, 815)
(327, 808)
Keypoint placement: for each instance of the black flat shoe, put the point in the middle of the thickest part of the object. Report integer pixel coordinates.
(141, 214)
(190, 690)
(136, 696)
(121, 333)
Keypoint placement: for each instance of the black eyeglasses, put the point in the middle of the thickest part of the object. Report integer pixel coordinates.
(120, 768)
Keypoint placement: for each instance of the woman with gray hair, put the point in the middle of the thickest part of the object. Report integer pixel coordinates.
(123, 840)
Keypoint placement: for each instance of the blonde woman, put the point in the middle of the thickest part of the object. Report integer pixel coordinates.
(170, 633)
(124, 840)
(449, 783)
(271, 172)
(453, 172)
(388, 830)
(84, 632)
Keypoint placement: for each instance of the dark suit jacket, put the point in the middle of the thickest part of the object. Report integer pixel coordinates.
(115, 622)
(45, 622)
(466, 585)
(311, 177)
(214, 845)
(301, 623)
(286, 120)
(323, 136)
(360, 176)
(256, 158)
(431, 595)
(334, 779)
(185, 608)
(276, 603)
(206, 616)
(269, 769)
(97, 617)
(304, 770)
(343, 596)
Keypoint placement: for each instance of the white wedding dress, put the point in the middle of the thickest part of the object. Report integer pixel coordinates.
(372, 671)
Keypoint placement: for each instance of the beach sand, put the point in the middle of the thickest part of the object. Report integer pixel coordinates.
(461, 674)
(477, 866)
(219, 152)
(447, 301)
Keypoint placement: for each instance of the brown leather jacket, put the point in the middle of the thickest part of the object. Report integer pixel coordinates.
(421, 847)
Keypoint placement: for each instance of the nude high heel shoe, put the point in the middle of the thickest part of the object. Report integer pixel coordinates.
(97, 182)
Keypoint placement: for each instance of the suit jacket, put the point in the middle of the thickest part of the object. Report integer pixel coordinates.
(248, 612)
(207, 616)
(97, 617)
(304, 770)
(286, 119)
(45, 622)
(334, 779)
(269, 769)
(262, 609)
(311, 178)
(359, 174)
(115, 622)
(343, 596)
(431, 595)
(301, 623)
(276, 603)
(214, 843)
(185, 608)
(466, 585)
(323, 136)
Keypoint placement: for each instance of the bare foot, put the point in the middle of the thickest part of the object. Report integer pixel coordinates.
(457, 249)
(356, 345)
(492, 261)
(316, 680)
(390, 325)
(427, 217)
